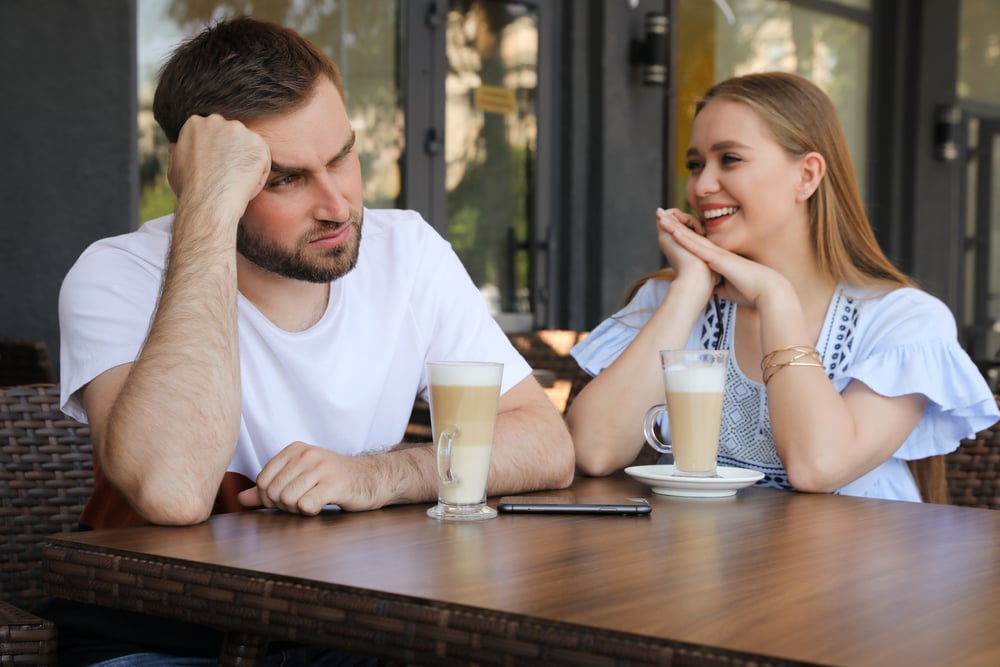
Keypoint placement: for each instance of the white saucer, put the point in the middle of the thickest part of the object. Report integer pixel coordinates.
(664, 480)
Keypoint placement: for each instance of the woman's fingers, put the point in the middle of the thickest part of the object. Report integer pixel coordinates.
(736, 278)
(694, 241)
(677, 216)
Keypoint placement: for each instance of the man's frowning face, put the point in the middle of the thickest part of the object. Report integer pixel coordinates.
(306, 222)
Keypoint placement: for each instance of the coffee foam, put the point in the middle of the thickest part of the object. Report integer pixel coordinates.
(466, 375)
(698, 379)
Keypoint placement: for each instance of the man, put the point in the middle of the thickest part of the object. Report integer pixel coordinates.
(263, 345)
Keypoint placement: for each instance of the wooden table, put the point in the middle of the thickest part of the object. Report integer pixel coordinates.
(765, 577)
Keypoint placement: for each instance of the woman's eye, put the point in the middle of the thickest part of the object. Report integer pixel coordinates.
(731, 159)
(693, 165)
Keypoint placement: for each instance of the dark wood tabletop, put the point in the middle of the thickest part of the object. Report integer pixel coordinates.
(764, 577)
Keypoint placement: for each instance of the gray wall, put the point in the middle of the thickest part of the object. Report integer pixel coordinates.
(613, 168)
(68, 163)
(916, 200)
(631, 163)
(937, 186)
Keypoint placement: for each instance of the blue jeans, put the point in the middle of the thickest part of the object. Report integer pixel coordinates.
(296, 657)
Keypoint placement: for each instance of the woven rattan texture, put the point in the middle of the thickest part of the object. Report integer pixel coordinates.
(972, 470)
(46, 477)
(401, 630)
(25, 639)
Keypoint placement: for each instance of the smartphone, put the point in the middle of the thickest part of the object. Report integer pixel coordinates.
(565, 505)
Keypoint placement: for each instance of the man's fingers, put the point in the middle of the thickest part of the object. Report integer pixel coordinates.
(250, 498)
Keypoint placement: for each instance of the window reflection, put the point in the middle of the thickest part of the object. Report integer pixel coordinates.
(490, 145)
(979, 51)
(720, 39)
(361, 37)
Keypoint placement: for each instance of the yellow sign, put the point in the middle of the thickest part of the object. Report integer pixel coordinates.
(493, 99)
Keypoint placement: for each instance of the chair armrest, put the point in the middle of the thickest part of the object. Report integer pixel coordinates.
(26, 638)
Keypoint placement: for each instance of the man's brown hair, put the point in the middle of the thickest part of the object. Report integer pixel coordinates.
(242, 69)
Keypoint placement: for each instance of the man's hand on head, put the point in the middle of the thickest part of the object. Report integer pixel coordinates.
(218, 161)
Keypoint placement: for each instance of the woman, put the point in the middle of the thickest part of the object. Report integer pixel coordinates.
(840, 369)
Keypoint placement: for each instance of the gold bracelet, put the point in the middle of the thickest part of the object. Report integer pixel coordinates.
(768, 369)
(801, 351)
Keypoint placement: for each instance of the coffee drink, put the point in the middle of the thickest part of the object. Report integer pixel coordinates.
(463, 401)
(694, 382)
(473, 409)
(694, 408)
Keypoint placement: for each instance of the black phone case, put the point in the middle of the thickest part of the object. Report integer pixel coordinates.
(558, 505)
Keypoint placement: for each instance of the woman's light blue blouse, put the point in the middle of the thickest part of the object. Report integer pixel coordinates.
(900, 342)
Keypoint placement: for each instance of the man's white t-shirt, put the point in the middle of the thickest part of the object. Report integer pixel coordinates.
(347, 383)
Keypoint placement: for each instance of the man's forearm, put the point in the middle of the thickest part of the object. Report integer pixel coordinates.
(532, 451)
(173, 428)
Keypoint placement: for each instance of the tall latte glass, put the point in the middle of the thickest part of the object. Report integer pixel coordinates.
(464, 397)
(694, 381)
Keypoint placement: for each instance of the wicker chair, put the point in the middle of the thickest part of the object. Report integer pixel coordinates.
(973, 470)
(547, 352)
(46, 478)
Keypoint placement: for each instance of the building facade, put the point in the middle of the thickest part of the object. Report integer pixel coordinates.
(537, 136)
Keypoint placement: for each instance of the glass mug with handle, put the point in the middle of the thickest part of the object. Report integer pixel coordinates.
(463, 401)
(694, 382)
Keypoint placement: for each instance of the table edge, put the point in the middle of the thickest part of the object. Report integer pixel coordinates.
(394, 626)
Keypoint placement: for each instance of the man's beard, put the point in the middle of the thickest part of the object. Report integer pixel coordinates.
(332, 264)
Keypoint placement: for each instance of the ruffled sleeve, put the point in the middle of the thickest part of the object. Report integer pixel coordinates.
(907, 343)
(610, 338)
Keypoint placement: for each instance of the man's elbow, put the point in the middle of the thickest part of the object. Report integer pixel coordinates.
(186, 514)
(560, 463)
(566, 469)
(170, 507)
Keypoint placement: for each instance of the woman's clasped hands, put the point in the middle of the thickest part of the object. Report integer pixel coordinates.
(695, 257)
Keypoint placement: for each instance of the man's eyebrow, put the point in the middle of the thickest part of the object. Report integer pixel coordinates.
(293, 171)
(348, 146)
(287, 171)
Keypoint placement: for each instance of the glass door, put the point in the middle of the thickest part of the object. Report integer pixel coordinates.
(361, 37)
(983, 225)
(490, 147)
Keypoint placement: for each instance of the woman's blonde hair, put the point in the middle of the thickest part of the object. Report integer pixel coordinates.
(804, 120)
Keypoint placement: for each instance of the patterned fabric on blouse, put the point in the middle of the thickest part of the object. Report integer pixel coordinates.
(897, 343)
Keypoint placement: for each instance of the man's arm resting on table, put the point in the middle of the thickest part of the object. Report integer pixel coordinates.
(532, 451)
(165, 427)
(168, 471)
